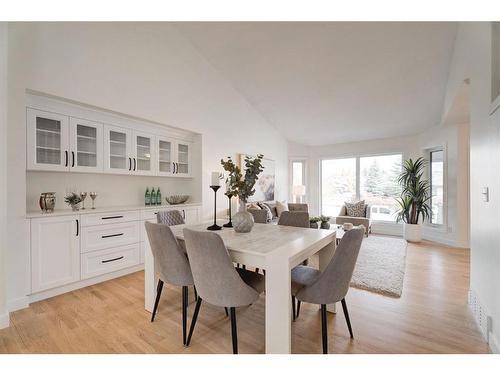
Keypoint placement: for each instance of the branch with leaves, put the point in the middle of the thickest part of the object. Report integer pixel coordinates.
(238, 184)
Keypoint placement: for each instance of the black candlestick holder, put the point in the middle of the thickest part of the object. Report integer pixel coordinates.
(215, 226)
(229, 224)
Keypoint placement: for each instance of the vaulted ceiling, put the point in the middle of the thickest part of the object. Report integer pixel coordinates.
(333, 82)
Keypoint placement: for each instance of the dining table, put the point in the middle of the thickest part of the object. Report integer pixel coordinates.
(273, 248)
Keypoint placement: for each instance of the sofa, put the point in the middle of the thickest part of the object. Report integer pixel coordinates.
(355, 220)
(260, 215)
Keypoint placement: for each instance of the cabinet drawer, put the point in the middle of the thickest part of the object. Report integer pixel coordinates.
(111, 235)
(110, 218)
(104, 261)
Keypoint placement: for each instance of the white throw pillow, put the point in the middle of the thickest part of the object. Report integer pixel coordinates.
(281, 207)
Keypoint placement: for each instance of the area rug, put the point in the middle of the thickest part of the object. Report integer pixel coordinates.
(381, 266)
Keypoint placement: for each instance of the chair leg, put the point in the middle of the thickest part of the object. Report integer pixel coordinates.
(298, 309)
(234, 333)
(225, 309)
(195, 293)
(159, 288)
(184, 312)
(193, 322)
(346, 314)
(293, 307)
(324, 329)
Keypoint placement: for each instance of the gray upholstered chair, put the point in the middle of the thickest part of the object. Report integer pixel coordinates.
(259, 215)
(294, 219)
(331, 285)
(216, 279)
(293, 207)
(171, 217)
(171, 266)
(365, 220)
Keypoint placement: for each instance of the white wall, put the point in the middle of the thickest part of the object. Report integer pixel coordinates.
(4, 317)
(471, 60)
(453, 138)
(147, 70)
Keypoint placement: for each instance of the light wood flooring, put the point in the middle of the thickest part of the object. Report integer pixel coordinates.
(431, 317)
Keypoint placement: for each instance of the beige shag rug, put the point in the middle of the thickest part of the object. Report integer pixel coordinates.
(381, 266)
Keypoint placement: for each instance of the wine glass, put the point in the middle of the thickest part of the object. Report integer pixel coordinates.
(83, 195)
(93, 196)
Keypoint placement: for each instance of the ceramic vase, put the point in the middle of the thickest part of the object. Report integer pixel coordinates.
(243, 220)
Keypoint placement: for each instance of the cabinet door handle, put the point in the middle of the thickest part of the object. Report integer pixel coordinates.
(112, 235)
(111, 260)
(66, 158)
(72, 159)
(176, 168)
(135, 164)
(77, 227)
(129, 164)
(111, 217)
(173, 167)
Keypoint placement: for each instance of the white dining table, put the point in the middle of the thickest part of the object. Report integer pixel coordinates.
(276, 249)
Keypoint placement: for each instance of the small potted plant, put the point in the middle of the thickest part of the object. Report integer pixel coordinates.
(325, 222)
(313, 222)
(73, 200)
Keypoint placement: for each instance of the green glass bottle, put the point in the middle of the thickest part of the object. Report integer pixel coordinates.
(147, 197)
(158, 196)
(153, 197)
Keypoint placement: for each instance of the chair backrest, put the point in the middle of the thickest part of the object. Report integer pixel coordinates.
(171, 263)
(259, 215)
(334, 281)
(294, 219)
(292, 207)
(215, 277)
(171, 217)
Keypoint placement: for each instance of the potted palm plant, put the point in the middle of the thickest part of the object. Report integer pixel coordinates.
(413, 203)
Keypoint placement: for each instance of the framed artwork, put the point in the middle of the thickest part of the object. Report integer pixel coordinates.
(264, 187)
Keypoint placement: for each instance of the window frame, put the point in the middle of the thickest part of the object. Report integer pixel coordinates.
(428, 153)
(304, 177)
(358, 174)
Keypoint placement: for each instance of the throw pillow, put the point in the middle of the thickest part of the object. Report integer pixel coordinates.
(254, 206)
(281, 207)
(272, 207)
(356, 209)
(268, 211)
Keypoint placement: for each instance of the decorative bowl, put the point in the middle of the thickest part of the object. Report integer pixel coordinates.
(177, 199)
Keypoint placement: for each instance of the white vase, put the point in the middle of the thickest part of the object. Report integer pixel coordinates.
(243, 220)
(412, 232)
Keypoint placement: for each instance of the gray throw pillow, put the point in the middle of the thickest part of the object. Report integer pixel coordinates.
(356, 209)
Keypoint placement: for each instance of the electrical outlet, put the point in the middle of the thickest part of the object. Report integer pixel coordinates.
(486, 194)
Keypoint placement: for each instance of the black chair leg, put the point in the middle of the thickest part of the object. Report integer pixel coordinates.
(184, 312)
(193, 322)
(298, 308)
(195, 293)
(293, 307)
(324, 329)
(225, 309)
(159, 288)
(234, 333)
(346, 314)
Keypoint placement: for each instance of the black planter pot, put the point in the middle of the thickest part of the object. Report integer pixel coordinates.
(313, 225)
(325, 225)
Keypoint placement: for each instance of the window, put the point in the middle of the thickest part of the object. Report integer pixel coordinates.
(379, 186)
(338, 184)
(437, 186)
(298, 180)
(372, 178)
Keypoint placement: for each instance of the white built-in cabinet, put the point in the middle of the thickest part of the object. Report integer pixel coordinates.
(55, 252)
(58, 142)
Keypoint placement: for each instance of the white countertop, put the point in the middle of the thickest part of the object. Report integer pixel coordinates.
(88, 210)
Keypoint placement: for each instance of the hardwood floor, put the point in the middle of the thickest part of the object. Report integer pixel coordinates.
(431, 317)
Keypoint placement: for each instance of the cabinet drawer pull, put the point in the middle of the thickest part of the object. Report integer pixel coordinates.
(72, 159)
(66, 158)
(111, 260)
(112, 235)
(111, 217)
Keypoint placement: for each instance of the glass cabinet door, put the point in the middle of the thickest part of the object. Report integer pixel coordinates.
(47, 141)
(165, 157)
(117, 150)
(144, 154)
(183, 159)
(86, 145)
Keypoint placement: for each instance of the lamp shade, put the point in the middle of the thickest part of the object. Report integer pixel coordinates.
(299, 190)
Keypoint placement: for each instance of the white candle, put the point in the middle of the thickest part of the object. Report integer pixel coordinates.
(215, 179)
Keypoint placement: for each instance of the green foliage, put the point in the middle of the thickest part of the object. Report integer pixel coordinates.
(72, 199)
(236, 183)
(324, 219)
(314, 219)
(416, 192)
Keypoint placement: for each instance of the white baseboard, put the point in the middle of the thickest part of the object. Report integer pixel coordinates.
(494, 345)
(4, 320)
(439, 238)
(18, 304)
